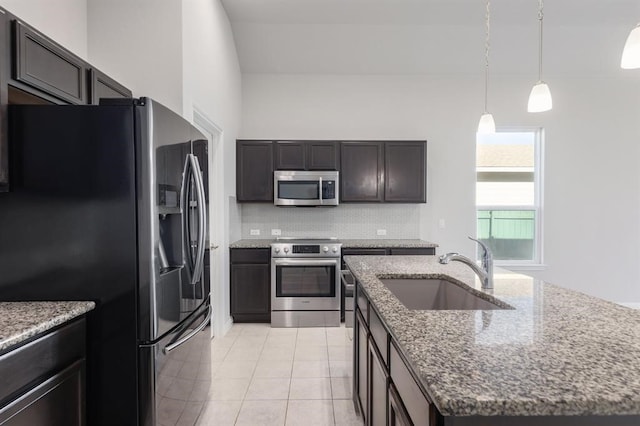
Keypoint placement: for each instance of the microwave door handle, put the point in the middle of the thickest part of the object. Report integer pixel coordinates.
(320, 190)
(202, 220)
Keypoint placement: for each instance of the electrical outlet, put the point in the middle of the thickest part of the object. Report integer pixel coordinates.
(442, 224)
(382, 232)
(276, 232)
(255, 232)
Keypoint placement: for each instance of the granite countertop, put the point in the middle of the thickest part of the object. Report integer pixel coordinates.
(347, 243)
(558, 352)
(21, 320)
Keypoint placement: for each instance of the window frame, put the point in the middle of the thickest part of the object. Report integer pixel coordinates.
(538, 205)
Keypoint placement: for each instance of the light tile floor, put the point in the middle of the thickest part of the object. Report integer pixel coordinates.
(281, 376)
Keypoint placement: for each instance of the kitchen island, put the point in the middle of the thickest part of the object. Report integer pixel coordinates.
(553, 356)
(42, 363)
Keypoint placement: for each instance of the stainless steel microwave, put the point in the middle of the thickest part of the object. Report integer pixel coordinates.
(300, 188)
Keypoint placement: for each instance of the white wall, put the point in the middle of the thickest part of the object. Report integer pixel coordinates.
(592, 192)
(64, 21)
(212, 83)
(139, 43)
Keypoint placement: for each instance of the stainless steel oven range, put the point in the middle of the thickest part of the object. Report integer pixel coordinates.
(305, 282)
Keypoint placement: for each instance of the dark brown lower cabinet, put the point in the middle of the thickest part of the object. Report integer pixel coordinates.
(398, 415)
(42, 382)
(378, 382)
(250, 285)
(360, 373)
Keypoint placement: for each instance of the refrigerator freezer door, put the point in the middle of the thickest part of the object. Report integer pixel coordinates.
(175, 375)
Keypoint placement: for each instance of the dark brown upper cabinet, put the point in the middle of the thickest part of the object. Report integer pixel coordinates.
(291, 155)
(307, 155)
(361, 171)
(103, 86)
(405, 172)
(390, 172)
(254, 170)
(46, 66)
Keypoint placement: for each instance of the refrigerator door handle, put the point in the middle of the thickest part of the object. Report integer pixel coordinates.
(202, 217)
(188, 337)
(185, 201)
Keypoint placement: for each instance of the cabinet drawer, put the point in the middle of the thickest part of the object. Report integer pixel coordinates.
(44, 65)
(379, 334)
(413, 251)
(41, 357)
(250, 255)
(416, 404)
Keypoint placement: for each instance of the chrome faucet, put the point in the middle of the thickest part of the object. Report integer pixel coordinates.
(485, 272)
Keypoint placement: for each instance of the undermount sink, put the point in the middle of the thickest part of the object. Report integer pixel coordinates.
(435, 294)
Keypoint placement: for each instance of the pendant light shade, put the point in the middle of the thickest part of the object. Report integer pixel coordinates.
(540, 98)
(631, 52)
(486, 124)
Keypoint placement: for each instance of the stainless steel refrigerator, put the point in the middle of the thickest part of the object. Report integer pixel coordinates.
(109, 203)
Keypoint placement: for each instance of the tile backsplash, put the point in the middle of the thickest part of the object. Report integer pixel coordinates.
(344, 221)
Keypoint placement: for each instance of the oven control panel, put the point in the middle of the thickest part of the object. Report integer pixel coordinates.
(329, 249)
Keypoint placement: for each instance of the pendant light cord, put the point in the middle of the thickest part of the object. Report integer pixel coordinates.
(487, 46)
(540, 18)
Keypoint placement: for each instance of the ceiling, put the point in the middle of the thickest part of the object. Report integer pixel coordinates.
(427, 36)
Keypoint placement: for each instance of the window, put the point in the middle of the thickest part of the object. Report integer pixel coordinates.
(509, 194)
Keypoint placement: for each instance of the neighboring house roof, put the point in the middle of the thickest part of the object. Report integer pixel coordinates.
(504, 155)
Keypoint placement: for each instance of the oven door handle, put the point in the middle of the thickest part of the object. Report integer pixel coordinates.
(306, 262)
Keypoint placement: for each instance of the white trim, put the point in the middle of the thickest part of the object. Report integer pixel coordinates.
(217, 236)
(517, 267)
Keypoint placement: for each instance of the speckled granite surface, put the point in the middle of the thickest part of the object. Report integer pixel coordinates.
(21, 320)
(375, 243)
(362, 243)
(251, 243)
(558, 352)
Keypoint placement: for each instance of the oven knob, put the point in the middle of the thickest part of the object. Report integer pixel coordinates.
(334, 249)
(325, 249)
(286, 249)
(277, 250)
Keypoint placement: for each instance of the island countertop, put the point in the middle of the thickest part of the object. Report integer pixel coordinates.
(20, 321)
(558, 352)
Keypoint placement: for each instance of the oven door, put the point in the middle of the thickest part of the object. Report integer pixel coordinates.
(305, 284)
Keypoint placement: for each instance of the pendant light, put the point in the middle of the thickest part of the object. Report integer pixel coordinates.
(486, 124)
(540, 97)
(631, 53)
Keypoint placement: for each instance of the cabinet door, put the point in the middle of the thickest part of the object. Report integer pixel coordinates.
(405, 172)
(361, 169)
(378, 379)
(250, 289)
(360, 364)
(290, 155)
(42, 64)
(4, 140)
(254, 171)
(58, 401)
(398, 415)
(103, 86)
(323, 156)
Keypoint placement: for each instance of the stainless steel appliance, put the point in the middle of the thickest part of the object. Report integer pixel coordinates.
(108, 203)
(302, 188)
(305, 283)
